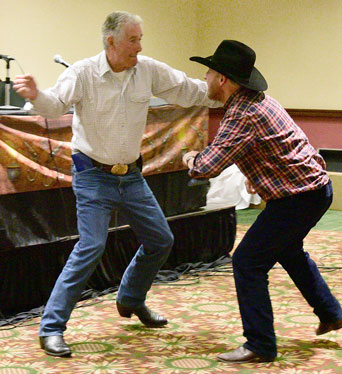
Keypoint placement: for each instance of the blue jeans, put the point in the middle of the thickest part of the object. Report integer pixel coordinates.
(97, 194)
(277, 236)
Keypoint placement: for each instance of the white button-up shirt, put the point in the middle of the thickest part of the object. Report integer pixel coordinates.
(110, 115)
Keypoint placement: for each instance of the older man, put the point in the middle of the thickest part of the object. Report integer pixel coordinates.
(111, 93)
(258, 135)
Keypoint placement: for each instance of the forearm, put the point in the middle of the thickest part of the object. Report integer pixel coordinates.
(209, 163)
(57, 100)
(48, 105)
(191, 92)
(176, 88)
(194, 92)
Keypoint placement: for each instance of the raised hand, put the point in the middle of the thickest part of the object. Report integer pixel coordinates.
(25, 86)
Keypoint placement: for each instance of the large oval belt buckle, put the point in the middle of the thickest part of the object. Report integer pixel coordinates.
(119, 169)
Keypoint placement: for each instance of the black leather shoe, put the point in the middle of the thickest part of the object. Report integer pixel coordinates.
(241, 355)
(54, 345)
(325, 327)
(146, 315)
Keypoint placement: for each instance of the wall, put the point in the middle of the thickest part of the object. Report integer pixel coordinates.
(298, 42)
(323, 128)
(34, 31)
(298, 45)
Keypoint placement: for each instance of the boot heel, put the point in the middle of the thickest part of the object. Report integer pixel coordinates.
(124, 312)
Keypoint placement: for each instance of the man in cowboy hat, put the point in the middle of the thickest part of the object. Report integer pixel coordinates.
(274, 154)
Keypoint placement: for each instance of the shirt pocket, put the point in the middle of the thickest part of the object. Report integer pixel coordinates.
(140, 97)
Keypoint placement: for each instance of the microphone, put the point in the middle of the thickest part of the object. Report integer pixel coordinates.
(6, 58)
(58, 59)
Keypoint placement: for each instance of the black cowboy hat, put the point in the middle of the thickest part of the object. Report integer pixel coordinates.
(236, 61)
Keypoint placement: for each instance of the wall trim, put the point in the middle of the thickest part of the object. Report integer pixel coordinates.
(315, 112)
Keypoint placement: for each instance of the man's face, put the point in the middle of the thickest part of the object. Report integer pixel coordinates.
(122, 54)
(213, 78)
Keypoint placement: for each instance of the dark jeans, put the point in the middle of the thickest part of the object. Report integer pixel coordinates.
(277, 236)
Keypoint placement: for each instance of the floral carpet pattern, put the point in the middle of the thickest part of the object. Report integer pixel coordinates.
(204, 321)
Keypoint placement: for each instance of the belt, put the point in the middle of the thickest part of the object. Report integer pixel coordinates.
(116, 169)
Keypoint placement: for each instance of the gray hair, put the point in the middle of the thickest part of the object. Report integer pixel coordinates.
(114, 22)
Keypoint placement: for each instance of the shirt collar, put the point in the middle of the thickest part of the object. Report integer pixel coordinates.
(105, 67)
(232, 97)
(242, 91)
(103, 64)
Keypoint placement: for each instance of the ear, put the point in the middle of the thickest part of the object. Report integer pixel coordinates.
(110, 41)
(223, 79)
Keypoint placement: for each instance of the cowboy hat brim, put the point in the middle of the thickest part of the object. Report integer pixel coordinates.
(256, 81)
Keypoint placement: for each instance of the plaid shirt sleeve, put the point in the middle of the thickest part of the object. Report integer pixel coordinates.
(259, 136)
(234, 138)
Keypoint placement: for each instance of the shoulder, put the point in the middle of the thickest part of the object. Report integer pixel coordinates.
(267, 105)
(145, 60)
(89, 64)
(243, 108)
(148, 62)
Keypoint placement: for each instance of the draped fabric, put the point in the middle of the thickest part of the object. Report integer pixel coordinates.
(48, 216)
(28, 273)
(35, 153)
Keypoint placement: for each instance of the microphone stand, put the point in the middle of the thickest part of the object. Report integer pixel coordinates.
(7, 105)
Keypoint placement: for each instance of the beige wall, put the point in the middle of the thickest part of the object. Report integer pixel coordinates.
(298, 45)
(34, 31)
(298, 42)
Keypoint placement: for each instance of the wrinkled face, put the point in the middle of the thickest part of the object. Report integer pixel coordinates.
(213, 81)
(122, 54)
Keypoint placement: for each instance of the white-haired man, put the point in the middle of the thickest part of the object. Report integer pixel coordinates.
(111, 93)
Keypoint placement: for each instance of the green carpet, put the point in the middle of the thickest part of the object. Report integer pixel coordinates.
(331, 221)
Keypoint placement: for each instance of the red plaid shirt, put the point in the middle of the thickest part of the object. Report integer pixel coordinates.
(257, 134)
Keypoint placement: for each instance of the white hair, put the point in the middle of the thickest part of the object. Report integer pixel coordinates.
(114, 23)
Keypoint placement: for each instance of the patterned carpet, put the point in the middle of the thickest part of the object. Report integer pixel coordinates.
(204, 321)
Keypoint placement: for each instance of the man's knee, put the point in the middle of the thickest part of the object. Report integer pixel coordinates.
(237, 259)
(169, 241)
(163, 242)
